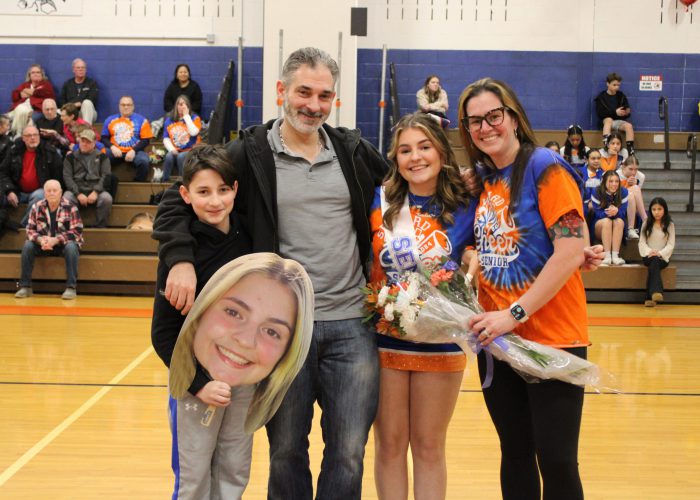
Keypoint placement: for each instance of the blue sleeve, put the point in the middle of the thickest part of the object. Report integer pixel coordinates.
(598, 212)
(622, 209)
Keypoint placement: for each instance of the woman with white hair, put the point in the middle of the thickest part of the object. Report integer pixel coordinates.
(28, 98)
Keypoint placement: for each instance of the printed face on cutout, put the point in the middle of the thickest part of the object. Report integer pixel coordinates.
(241, 337)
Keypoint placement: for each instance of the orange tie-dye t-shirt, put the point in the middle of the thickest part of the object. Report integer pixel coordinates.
(514, 247)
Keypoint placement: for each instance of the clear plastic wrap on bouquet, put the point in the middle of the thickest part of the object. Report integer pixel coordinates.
(536, 362)
(435, 307)
(439, 319)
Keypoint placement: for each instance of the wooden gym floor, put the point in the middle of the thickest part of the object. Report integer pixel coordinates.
(83, 407)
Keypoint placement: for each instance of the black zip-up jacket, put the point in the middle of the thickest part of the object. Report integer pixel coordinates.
(606, 106)
(362, 166)
(48, 165)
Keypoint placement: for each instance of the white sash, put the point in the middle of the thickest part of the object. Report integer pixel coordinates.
(401, 242)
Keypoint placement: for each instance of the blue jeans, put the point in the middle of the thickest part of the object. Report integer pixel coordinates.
(173, 161)
(31, 250)
(342, 374)
(141, 163)
(30, 199)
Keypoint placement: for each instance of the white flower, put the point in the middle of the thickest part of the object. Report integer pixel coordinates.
(413, 289)
(408, 317)
(389, 312)
(383, 294)
(402, 303)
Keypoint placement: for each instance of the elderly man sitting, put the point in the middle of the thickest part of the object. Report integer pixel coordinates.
(128, 134)
(54, 229)
(85, 175)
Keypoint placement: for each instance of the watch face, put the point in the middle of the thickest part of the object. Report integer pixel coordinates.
(518, 312)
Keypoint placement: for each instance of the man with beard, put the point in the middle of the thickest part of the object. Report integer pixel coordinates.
(305, 190)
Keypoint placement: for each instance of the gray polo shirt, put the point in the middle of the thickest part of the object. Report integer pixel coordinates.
(316, 227)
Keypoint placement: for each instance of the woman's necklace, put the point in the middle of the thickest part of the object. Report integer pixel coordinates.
(425, 204)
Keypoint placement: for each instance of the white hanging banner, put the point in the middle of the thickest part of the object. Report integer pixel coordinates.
(42, 7)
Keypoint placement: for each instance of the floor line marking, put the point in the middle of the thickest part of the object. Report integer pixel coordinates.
(46, 440)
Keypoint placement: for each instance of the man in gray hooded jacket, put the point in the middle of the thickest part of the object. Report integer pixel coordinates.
(85, 174)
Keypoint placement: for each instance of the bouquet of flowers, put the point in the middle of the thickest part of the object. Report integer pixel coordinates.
(434, 306)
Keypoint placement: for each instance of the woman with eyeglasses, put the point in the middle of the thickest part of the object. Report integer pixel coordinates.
(529, 231)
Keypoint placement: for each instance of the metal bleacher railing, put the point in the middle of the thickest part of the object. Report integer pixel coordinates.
(692, 153)
(663, 115)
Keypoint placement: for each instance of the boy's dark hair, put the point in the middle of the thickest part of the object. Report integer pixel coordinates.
(209, 156)
(613, 77)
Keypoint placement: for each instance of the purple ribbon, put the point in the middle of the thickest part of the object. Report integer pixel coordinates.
(489, 359)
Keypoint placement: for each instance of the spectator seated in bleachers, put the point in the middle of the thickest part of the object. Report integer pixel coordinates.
(28, 97)
(142, 221)
(81, 91)
(553, 145)
(54, 229)
(29, 163)
(574, 150)
(591, 173)
(613, 110)
(432, 99)
(76, 129)
(86, 175)
(5, 140)
(70, 117)
(128, 134)
(613, 154)
(656, 242)
(180, 134)
(609, 205)
(632, 179)
(50, 126)
(182, 84)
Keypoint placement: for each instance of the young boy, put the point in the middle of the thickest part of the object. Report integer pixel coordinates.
(614, 111)
(209, 185)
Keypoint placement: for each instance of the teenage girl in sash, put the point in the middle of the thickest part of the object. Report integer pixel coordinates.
(419, 216)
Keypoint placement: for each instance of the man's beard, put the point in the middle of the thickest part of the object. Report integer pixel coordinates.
(292, 119)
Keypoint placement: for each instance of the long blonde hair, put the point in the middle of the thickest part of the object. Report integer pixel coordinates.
(271, 390)
(449, 193)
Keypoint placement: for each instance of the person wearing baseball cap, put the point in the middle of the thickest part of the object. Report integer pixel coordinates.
(85, 174)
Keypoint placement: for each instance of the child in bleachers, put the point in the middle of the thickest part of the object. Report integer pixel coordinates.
(609, 204)
(574, 149)
(553, 145)
(70, 116)
(656, 242)
(142, 221)
(591, 173)
(613, 110)
(613, 154)
(632, 179)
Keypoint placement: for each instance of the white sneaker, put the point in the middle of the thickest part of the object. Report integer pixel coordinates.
(618, 261)
(157, 174)
(632, 234)
(606, 261)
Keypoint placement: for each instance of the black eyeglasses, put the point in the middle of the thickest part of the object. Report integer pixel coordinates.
(493, 118)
